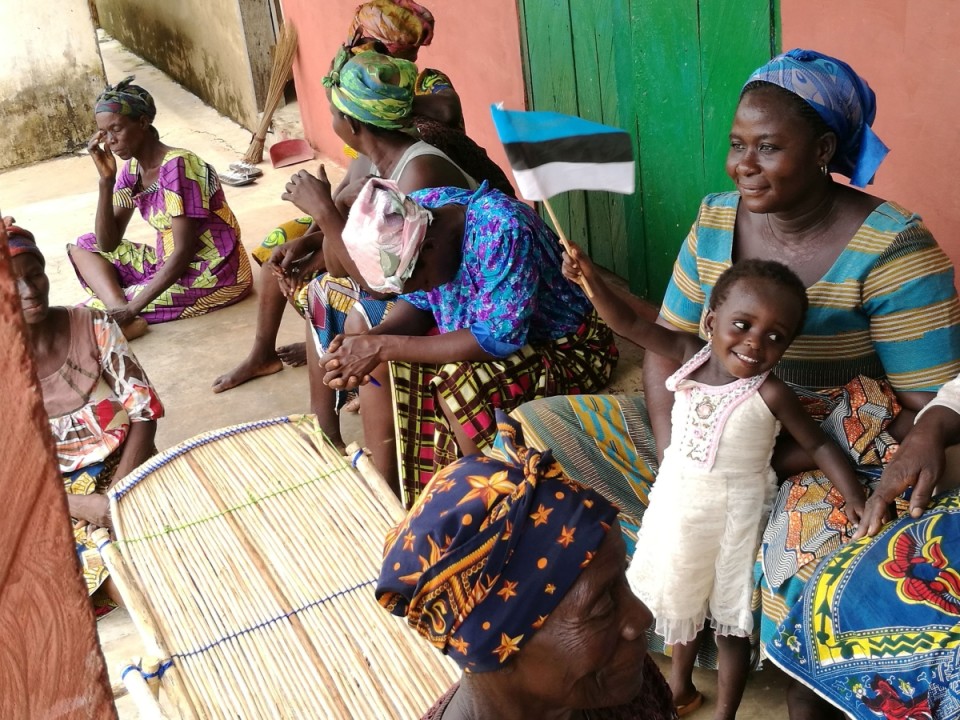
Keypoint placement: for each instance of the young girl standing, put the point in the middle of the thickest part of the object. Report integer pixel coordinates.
(699, 537)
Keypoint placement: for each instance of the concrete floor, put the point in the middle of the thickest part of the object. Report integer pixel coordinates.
(57, 201)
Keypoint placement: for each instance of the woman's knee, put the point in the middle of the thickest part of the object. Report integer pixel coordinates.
(356, 323)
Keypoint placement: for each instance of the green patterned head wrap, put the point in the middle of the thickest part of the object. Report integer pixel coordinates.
(128, 99)
(373, 88)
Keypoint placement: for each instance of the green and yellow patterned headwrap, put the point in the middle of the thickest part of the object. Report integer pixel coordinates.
(373, 88)
(128, 99)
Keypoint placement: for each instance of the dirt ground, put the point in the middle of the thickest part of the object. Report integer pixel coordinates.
(57, 201)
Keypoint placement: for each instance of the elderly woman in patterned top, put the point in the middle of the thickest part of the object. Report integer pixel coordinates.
(102, 409)
(518, 574)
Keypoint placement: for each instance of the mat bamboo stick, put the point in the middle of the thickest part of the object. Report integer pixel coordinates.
(147, 704)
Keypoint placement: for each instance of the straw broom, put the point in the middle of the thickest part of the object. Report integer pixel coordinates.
(280, 73)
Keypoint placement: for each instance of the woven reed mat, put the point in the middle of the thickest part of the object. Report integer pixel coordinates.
(249, 558)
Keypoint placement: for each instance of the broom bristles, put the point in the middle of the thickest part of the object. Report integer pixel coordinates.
(280, 73)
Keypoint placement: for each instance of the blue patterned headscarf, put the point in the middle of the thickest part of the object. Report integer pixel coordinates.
(489, 550)
(844, 101)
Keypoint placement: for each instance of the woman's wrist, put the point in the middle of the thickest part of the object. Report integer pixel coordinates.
(108, 183)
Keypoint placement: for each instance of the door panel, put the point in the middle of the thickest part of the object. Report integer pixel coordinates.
(667, 71)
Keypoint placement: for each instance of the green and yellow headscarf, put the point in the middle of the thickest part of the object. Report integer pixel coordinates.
(373, 88)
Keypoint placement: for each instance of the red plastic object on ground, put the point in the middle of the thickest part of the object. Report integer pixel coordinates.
(290, 152)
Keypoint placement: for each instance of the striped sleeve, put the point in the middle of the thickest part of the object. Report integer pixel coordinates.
(704, 255)
(684, 298)
(910, 298)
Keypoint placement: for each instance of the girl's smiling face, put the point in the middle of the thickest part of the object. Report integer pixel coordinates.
(753, 326)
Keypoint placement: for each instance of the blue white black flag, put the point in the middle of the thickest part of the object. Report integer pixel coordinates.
(551, 153)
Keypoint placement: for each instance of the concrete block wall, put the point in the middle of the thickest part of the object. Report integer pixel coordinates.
(201, 45)
(51, 75)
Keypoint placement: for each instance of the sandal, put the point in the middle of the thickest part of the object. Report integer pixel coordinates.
(237, 179)
(245, 168)
(691, 705)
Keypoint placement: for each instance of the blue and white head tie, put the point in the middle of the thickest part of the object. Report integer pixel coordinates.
(844, 101)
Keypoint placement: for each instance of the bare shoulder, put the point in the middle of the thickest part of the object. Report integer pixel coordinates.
(427, 171)
(777, 394)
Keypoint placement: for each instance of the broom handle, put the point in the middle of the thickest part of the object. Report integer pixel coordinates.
(566, 246)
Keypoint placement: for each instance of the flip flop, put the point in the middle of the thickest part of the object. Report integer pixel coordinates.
(691, 706)
(245, 168)
(237, 179)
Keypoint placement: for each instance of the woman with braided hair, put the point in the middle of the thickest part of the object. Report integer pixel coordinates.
(198, 264)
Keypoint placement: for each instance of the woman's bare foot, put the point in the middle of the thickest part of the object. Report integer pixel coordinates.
(293, 355)
(135, 328)
(251, 367)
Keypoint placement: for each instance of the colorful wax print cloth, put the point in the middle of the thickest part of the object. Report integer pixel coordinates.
(580, 362)
(94, 478)
(219, 274)
(288, 231)
(99, 390)
(877, 630)
(509, 290)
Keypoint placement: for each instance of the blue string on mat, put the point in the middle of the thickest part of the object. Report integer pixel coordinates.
(270, 621)
(164, 666)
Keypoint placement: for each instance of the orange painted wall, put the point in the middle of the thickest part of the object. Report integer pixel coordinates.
(478, 48)
(909, 52)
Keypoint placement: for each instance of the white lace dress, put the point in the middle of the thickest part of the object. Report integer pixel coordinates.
(699, 537)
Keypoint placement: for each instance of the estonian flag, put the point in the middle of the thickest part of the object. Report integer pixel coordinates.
(551, 153)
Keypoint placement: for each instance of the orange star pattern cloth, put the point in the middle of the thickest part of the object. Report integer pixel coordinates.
(489, 550)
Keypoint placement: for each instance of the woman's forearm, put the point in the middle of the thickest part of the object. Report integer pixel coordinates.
(137, 448)
(335, 255)
(458, 346)
(105, 227)
(93, 509)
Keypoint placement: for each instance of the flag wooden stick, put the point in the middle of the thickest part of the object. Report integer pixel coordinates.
(566, 246)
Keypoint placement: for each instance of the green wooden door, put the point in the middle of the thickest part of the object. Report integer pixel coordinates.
(669, 72)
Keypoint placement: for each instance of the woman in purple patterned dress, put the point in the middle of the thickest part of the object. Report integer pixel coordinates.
(198, 264)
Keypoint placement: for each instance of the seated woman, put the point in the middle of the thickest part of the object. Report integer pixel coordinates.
(198, 264)
(518, 575)
(481, 271)
(875, 631)
(103, 410)
(397, 28)
(882, 333)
